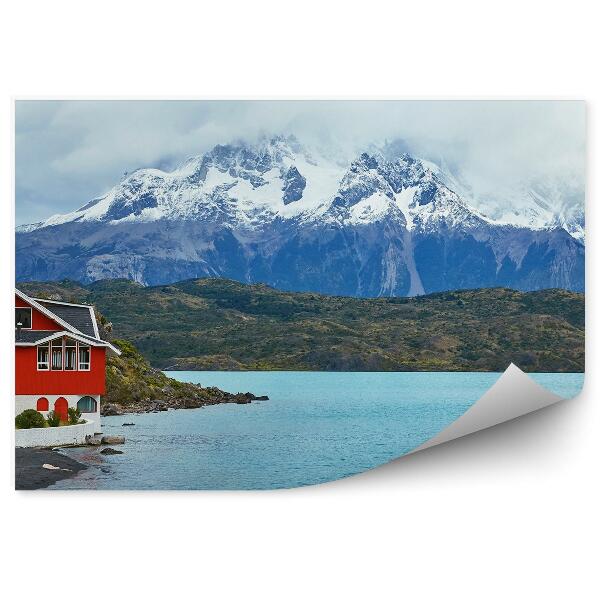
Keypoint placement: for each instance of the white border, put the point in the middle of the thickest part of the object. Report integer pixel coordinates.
(93, 317)
(60, 302)
(507, 513)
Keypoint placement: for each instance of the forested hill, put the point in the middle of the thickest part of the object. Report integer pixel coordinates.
(209, 324)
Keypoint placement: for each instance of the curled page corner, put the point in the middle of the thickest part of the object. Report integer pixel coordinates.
(513, 395)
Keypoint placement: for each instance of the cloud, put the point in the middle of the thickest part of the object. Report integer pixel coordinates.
(68, 152)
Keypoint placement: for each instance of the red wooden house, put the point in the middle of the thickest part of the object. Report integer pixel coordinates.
(59, 357)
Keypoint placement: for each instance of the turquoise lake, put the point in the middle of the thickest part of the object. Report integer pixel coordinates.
(316, 427)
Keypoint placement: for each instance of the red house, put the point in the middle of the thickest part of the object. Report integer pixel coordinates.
(59, 357)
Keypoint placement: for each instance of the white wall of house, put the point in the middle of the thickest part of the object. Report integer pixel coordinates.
(27, 401)
(55, 436)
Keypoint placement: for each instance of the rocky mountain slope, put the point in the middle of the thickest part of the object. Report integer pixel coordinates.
(385, 224)
(217, 324)
(132, 385)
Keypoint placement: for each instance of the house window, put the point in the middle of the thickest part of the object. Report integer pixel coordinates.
(87, 404)
(70, 354)
(84, 357)
(42, 404)
(43, 357)
(57, 354)
(23, 316)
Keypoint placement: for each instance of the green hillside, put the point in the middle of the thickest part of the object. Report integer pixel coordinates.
(208, 324)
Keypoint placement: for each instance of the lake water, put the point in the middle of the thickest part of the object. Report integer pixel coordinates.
(316, 427)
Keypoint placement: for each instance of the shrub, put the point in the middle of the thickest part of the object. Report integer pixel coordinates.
(74, 415)
(29, 418)
(53, 419)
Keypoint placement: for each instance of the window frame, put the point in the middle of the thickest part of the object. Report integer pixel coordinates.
(62, 354)
(47, 363)
(30, 316)
(89, 362)
(74, 345)
(78, 364)
(88, 411)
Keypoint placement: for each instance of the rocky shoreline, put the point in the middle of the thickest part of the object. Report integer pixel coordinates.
(205, 397)
(133, 386)
(38, 468)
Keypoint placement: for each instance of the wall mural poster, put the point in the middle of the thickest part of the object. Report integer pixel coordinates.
(273, 294)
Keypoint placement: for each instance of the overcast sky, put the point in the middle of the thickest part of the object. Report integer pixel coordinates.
(68, 152)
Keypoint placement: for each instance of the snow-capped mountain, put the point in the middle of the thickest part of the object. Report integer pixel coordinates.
(533, 203)
(387, 223)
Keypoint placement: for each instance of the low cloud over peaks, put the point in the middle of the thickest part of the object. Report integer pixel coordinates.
(68, 152)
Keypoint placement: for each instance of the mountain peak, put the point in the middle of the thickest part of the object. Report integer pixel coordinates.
(382, 222)
(278, 178)
(275, 178)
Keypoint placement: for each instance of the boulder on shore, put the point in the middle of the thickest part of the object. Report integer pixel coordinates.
(113, 439)
(242, 398)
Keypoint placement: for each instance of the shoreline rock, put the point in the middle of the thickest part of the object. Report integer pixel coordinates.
(113, 439)
(134, 386)
(111, 451)
(209, 397)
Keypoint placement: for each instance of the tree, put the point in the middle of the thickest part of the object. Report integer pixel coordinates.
(29, 418)
(74, 415)
(53, 419)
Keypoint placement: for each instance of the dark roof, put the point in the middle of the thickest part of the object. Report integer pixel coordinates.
(30, 337)
(76, 316)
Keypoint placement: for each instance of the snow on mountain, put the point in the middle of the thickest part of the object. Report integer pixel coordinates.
(533, 203)
(281, 179)
(384, 223)
(277, 179)
(375, 188)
